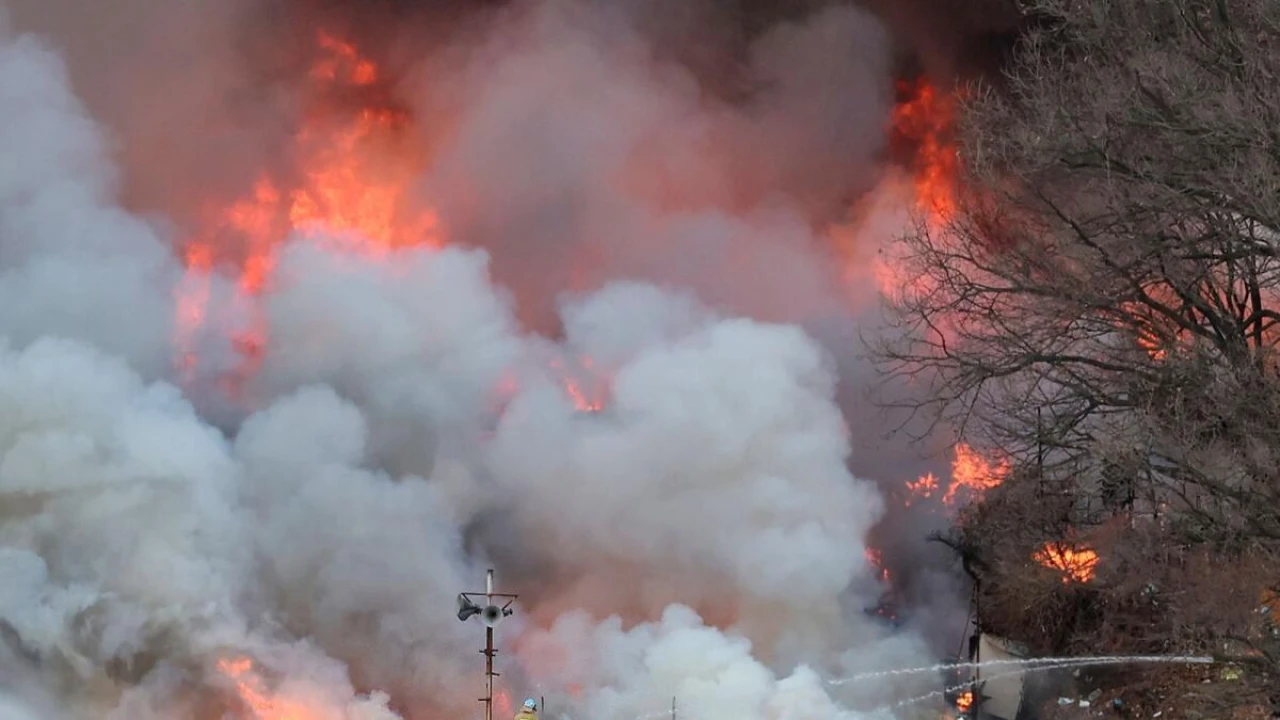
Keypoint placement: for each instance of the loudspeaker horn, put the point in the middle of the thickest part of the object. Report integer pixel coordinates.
(491, 615)
(466, 608)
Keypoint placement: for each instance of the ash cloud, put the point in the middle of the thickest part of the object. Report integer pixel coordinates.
(701, 536)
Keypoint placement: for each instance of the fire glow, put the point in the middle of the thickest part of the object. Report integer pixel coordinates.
(925, 120)
(921, 134)
(972, 475)
(354, 169)
(876, 559)
(964, 701)
(310, 637)
(586, 387)
(1074, 563)
(249, 689)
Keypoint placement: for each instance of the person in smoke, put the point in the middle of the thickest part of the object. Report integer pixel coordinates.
(529, 711)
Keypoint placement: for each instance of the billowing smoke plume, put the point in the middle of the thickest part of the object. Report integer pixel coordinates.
(628, 382)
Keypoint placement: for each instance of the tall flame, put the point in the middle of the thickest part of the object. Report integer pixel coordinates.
(354, 171)
(923, 125)
(924, 121)
(921, 134)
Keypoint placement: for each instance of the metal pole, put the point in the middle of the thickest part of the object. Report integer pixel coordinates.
(493, 613)
(488, 649)
(673, 707)
(488, 667)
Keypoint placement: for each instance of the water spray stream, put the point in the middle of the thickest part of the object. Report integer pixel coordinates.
(1030, 663)
(1052, 664)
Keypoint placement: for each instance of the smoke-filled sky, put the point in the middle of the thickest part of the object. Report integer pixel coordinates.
(678, 217)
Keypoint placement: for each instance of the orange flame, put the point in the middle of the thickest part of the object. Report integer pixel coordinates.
(925, 121)
(355, 171)
(249, 687)
(964, 701)
(1076, 563)
(921, 488)
(921, 135)
(973, 474)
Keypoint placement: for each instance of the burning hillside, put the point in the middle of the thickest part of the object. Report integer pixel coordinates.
(534, 299)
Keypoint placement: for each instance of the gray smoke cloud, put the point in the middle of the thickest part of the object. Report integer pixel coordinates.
(699, 533)
(577, 157)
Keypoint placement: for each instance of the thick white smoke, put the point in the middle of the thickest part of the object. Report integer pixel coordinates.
(578, 153)
(74, 262)
(576, 156)
(698, 535)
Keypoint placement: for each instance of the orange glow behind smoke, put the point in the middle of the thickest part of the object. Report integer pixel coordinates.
(502, 707)
(877, 561)
(1076, 564)
(192, 303)
(586, 386)
(249, 688)
(353, 171)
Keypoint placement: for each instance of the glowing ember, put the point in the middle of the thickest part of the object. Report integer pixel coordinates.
(973, 474)
(1074, 562)
(876, 559)
(921, 488)
(354, 168)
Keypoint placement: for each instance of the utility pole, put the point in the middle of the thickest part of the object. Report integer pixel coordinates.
(490, 614)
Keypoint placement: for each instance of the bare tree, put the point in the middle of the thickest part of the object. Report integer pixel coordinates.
(1113, 265)
(1102, 304)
